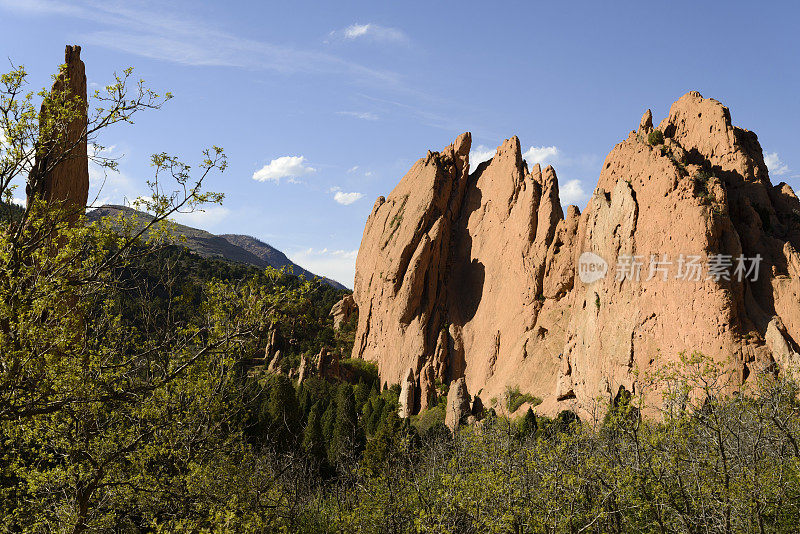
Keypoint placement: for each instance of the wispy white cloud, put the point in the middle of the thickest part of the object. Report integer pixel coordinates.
(347, 198)
(775, 165)
(291, 167)
(478, 155)
(543, 155)
(138, 28)
(339, 265)
(352, 169)
(363, 115)
(370, 32)
(432, 119)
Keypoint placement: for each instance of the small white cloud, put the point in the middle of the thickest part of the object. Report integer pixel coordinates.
(96, 150)
(775, 165)
(368, 173)
(356, 30)
(478, 155)
(291, 167)
(352, 169)
(339, 265)
(204, 219)
(363, 115)
(371, 32)
(572, 192)
(347, 198)
(543, 155)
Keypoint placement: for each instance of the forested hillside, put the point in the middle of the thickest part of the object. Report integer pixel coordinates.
(232, 247)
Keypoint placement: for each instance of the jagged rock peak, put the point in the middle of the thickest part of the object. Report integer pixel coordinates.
(646, 124)
(474, 278)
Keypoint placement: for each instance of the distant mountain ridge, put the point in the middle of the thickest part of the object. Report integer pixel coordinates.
(231, 247)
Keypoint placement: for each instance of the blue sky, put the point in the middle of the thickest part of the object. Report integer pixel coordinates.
(322, 107)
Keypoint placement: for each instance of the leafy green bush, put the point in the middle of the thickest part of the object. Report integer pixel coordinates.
(655, 138)
(702, 181)
(362, 370)
(515, 399)
(429, 418)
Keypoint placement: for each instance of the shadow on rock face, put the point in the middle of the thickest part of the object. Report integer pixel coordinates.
(470, 279)
(466, 274)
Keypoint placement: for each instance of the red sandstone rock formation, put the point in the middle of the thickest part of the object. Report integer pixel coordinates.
(342, 310)
(61, 171)
(407, 388)
(474, 275)
(458, 405)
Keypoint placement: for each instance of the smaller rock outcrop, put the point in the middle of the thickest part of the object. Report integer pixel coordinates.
(407, 387)
(275, 363)
(343, 310)
(458, 406)
(427, 387)
(306, 368)
(273, 344)
(646, 124)
(327, 364)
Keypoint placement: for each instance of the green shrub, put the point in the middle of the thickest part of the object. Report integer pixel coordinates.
(362, 370)
(655, 138)
(429, 418)
(701, 185)
(515, 399)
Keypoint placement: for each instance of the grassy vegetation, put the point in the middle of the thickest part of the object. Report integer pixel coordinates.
(363, 371)
(514, 399)
(655, 138)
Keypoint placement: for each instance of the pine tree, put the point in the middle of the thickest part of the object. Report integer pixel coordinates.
(385, 443)
(284, 413)
(366, 413)
(361, 394)
(328, 423)
(371, 424)
(306, 401)
(313, 438)
(346, 435)
(528, 424)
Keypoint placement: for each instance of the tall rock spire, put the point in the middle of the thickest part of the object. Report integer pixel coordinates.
(61, 172)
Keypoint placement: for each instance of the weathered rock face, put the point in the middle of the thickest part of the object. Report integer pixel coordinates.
(458, 406)
(407, 387)
(323, 365)
(275, 363)
(474, 275)
(306, 369)
(274, 344)
(61, 173)
(342, 311)
(427, 388)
